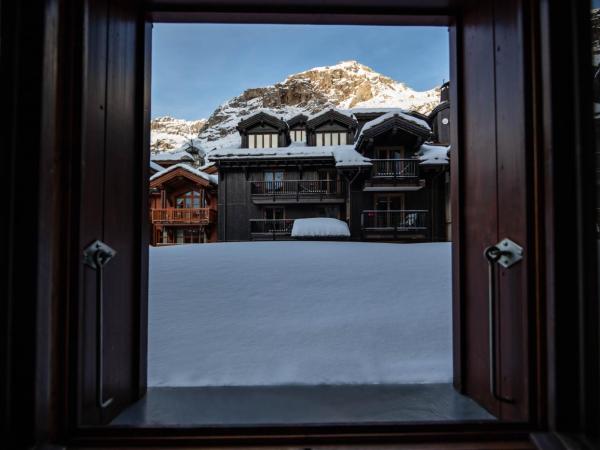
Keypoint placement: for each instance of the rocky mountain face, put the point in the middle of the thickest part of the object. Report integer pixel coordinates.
(168, 133)
(346, 85)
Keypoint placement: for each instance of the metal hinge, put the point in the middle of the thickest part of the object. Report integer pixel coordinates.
(506, 253)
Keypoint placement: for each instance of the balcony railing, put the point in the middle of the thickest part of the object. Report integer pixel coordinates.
(297, 189)
(395, 168)
(394, 220)
(271, 226)
(183, 216)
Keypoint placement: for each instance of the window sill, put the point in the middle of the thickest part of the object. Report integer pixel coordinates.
(300, 405)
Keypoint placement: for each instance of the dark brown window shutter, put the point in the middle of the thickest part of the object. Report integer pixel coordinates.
(111, 351)
(490, 186)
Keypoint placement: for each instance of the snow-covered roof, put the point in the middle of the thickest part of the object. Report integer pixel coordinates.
(261, 116)
(377, 110)
(344, 155)
(432, 154)
(421, 126)
(156, 167)
(177, 155)
(210, 178)
(389, 115)
(207, 165)
(344, 112)
(320, 227)
(347, 156)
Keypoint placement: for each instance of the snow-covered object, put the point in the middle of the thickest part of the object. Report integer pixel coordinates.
(347, 156)
(180, 155)
(320, 227)
(299, 312)
(389, 115)
(208, 177)
(430, 154)
(156, 167)
(344, 155)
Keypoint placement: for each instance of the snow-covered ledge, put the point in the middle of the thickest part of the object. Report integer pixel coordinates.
(320, 227)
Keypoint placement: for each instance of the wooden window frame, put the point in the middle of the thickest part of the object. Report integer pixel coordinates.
(273, 208)
(331, 135)
(191, 195)
(401, 195)
(46, 410)
(327, 433)
(272, 138)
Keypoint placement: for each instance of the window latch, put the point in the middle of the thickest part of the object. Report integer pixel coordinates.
(506, 253)
(96, 256)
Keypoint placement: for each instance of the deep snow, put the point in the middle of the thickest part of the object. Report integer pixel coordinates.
(262, 313)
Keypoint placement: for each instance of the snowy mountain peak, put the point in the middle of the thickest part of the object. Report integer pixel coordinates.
(345, 85)
(351, 66)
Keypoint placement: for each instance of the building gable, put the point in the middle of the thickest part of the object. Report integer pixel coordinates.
(392, 121)
(331, 117)
(178, 172)
(261, 119)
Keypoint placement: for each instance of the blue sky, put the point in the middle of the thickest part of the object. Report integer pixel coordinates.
(196, 67)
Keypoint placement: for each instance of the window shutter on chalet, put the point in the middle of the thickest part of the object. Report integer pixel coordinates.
(490, 203)
(111, 331)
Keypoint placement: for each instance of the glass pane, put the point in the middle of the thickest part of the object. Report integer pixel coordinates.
(309, 286)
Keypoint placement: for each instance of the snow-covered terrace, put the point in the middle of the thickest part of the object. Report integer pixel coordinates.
(275, 313)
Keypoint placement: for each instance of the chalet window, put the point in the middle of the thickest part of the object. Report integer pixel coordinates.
(274, 213)
(389, 153)
(389, 202)
(331, 138)
(266, 140)
(273, 180)
(298, 135)
(187, 236)
(191, 199)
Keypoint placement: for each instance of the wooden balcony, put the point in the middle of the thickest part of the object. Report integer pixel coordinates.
(183, 216)
(394, 223)
(394, 175)
(270, 228)
(407, 168)
(297, 191)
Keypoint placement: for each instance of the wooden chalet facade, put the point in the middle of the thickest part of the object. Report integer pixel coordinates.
(183, 202)
(384, 171)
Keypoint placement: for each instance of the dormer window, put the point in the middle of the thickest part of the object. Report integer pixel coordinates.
(263, 140)
(331, 138)
(298, 135)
